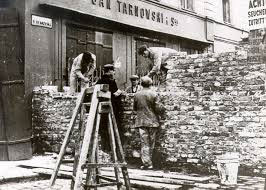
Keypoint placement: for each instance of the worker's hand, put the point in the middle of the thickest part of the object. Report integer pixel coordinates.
(123, 93)
(86, 80)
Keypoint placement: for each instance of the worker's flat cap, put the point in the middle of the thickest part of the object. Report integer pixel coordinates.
(108, 67)
(134, 77)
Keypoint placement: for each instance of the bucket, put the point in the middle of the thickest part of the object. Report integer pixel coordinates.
(227, 166)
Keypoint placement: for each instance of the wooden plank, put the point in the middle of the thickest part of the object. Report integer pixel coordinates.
(147, 184)
(104, 95)
(12, 82)
(135, 183)
(16, 122)
(104, 184)
(16, 141)
(42, 171)
(87, 138)
(79, 140)
(67, 137)
(99, 165)
(172, 175)
(113, 146)
(120, 149)
(134, 172)
(162, 174)
(153, 179)
(3, 137)
(9, 25)
(142, 183)
(90, 170)
(47, 166)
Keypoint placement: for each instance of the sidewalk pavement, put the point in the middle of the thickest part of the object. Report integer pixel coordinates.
(10, 170)
(13, 177)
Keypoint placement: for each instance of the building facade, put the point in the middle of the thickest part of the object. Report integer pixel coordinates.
(53, 32)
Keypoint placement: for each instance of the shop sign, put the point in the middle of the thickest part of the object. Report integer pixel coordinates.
(142, 14)
(41, 21)
(257, 14)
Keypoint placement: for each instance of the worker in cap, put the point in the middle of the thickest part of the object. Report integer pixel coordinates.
(108, 67)
(159, 57)
(134, 87)
(116, 94)
(108, 78)
(147, 109)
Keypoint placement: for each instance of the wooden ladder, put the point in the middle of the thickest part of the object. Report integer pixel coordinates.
(86, 156)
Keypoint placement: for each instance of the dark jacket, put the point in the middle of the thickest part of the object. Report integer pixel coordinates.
(116, 104)
(147, 107)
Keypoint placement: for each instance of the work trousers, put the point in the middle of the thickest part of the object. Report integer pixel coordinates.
(147, 139)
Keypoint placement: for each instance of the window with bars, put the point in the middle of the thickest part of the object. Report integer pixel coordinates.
(226, 11)
(187, 4)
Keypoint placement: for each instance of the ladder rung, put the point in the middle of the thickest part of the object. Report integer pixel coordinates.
(89, 90)
(101, 94)
(103, 184)
(94, 165)
(106, 178)
(73, 177)
(86, 104)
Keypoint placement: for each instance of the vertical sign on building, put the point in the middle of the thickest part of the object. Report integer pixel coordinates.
(257, 27)
(256, 14)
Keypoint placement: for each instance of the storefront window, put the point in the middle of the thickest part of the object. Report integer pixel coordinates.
(226, 11)
(187, 4)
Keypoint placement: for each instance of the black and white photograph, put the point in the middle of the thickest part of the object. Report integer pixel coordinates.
(132, 94)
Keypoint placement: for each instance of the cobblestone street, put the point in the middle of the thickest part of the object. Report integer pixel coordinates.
(37, 185)
(244, 183)
(60, 184)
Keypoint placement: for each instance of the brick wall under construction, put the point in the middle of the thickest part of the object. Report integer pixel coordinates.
(215, 104)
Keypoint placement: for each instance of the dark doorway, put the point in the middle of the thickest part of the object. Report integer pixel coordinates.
(15, 128)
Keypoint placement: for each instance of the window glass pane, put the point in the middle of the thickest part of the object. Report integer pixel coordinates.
(183, 4)
(226, 11)
(187, 4)
(190, 5)
(107, 39)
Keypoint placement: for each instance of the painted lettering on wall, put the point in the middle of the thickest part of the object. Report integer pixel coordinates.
(136, 11)
(102, 3)
(257, 14)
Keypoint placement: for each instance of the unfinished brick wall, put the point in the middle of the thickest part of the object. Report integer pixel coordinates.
(51, 114)
(215, 104)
